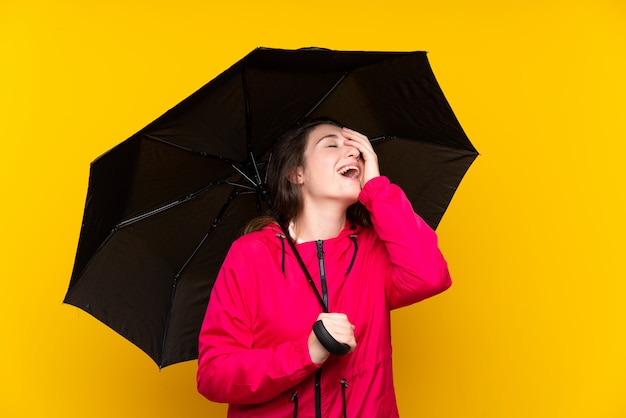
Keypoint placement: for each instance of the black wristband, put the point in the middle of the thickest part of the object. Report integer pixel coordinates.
(328, 341)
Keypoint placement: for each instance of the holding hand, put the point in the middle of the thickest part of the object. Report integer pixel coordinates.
(338, 327)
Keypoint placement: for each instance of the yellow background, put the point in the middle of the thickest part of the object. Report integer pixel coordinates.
(534, 324)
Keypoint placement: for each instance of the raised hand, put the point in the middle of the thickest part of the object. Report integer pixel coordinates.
(370, 159)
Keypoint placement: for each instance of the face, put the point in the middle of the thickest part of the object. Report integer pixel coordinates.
(332, 170)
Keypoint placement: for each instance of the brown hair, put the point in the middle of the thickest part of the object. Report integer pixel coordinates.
(286, 197)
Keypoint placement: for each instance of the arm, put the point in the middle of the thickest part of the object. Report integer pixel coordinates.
(417, 268)
(230, 368)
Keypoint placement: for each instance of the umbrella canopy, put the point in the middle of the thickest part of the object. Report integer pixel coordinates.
(164, 206)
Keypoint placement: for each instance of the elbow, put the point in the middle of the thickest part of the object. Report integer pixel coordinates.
(420, 289)
(446, 281)
(439, 284)
(436, 287)
(209, 384)
(443, 282)
(203, 384)
(207, 388)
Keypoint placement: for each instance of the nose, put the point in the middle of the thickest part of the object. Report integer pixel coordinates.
(352, 152)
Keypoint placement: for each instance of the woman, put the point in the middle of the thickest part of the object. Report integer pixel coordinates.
(327, 263)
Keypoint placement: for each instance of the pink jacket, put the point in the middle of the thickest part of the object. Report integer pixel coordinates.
(253, 344)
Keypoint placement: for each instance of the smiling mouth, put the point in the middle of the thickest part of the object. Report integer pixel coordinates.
(350, 171)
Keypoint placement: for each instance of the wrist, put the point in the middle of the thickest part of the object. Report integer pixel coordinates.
(317, 352)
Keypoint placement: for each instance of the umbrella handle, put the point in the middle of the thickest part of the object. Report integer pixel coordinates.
(328, 341)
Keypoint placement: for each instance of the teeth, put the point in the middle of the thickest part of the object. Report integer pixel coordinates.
(346, 169)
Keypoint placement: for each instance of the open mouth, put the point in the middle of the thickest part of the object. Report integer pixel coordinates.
(350, 171)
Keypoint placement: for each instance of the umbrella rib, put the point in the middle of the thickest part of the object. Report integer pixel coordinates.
(214, 224)
(320, 101)
(269, 159)
(245, 175)
(384, 138)
(255, 186)
(232, 183)
(150, 213)
(257, 174)
(167, 206)
(256, 169)
(206, 236)
(193, 151)
(381, 138)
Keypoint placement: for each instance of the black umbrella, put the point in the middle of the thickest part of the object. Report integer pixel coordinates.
(164, 206)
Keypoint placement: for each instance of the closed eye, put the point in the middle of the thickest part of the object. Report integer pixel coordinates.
(328, 141)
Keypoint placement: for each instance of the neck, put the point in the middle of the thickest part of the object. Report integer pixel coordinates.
(315, 224)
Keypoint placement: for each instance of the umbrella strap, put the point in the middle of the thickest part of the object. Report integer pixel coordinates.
(303, 267)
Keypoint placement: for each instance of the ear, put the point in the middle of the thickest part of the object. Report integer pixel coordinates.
(296, 176)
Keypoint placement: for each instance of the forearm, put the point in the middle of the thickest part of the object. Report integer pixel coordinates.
(233, 374)
(418, 270)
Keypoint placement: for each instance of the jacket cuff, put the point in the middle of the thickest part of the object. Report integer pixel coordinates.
(373, 188)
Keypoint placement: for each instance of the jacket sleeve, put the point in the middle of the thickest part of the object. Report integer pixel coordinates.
(417, 269)
(230, 368)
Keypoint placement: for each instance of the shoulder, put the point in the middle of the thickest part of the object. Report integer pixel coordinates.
(367, 237)
(259, 240)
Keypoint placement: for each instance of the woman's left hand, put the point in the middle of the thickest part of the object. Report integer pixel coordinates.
(370, 159)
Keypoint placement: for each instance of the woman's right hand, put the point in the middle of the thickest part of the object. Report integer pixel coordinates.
(364, 146)
(339, 327)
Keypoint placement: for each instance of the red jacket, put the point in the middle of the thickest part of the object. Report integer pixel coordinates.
(253, 350)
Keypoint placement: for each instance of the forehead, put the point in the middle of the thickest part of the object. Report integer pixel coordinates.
(322, 132)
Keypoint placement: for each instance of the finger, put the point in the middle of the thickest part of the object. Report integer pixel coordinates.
(331, 315)
(352, 132)
(336, 323)
(359, 141)
(356, 137)
(340, 329)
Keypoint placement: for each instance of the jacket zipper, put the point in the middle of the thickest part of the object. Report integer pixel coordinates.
(318, 393)
(344, 385)
(320, 258)
(318, 375)
(294, 399)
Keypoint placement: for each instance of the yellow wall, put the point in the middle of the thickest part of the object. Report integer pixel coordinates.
(534, 325)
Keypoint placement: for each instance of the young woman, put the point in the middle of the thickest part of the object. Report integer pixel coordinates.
(350, 249)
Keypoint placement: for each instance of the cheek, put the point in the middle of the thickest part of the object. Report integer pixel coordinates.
(311, 176)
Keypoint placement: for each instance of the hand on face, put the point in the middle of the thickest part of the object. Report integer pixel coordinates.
(364, 146)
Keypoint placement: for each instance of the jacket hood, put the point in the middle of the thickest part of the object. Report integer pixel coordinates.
(343, 244)
(275, 234)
